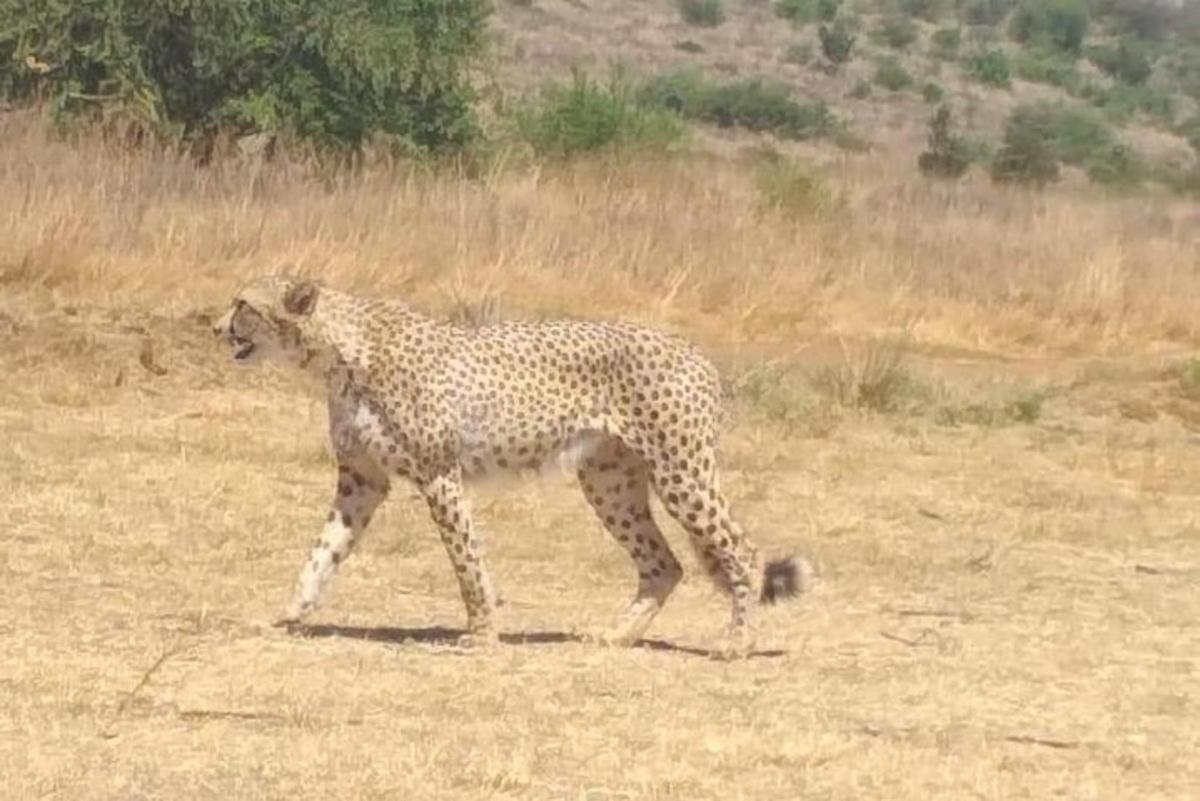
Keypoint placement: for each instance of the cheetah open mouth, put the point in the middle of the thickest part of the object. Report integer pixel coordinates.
(242, 348)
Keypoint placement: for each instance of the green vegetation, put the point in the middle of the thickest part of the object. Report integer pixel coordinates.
(1047, 67)
(330, 73)
(947, 155)
(754, 104)
(1123, 61)
(837, 41)
(891, 75)
(895, 31)
(704, 13)
(984, 12)
(584, 115)
(804, 11)
(1027, 155)
(1058, 23)
(990, 67)
(945, 42)
(931, 92)
(1041, 133)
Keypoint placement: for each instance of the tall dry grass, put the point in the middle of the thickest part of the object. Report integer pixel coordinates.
(682, 240)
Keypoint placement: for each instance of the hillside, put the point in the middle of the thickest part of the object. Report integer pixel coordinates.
(938, 49)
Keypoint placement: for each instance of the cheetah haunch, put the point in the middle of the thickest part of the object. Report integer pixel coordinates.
(439, 404)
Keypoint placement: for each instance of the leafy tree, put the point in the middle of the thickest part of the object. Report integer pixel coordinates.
(332, 72)
(1027, 154)
(837, 42)
(947, 155)
(1059, 23)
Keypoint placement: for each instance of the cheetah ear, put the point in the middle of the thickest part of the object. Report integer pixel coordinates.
(300, 298)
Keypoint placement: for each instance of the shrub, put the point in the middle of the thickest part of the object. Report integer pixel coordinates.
(946, 42)
(990, 67)
(1150, 19)
(1122, 61)
(891, 75)
(947, 155)
(928, 10)
(1121, 102)
(861, 89)
(802, 11)
(931, 92)
(1059, 23)
(1027, 154)
(837, 42)
(1076, 134)
(705, 13)
(1117, 166)
(984, 12)
(754, 104)
(896, 32)
(332, 73)
(584, 115)
(1048, 68)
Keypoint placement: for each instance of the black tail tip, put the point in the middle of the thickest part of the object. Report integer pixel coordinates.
(782, 579)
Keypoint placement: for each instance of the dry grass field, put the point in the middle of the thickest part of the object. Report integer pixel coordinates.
(1008, 543)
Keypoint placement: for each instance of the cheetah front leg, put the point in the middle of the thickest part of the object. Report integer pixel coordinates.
(360, 489)
(449, 510)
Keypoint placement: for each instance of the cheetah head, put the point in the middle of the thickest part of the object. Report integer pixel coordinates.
(264, 322)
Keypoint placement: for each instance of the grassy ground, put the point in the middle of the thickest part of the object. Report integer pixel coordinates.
(1008, 550)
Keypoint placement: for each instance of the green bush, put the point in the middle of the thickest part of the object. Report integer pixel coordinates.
(1058, 23)
(1049, 68)
(1117, 166)
(837, 41)
(1149, 19)
(891, 75)
(1121, 102)
(584, 115)
(705, 13)
(947, 155)
(990, 67)
(1076, 134)
(1123, 61)
(984, 12)
(932, 93)
(754, 104)
(332, 73)
(803, 11)
(861, 89)
(928, 10)
(1027, 155)
(946, 42)
(896, 32)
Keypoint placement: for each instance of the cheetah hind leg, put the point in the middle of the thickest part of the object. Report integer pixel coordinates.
(615, 482)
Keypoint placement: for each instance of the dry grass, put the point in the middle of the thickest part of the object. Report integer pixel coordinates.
(1004, 611)
(682, 241)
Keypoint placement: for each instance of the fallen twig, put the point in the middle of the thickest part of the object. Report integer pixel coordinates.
(922, 639)
(1025, 739)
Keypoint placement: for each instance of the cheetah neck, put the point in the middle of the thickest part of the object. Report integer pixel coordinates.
(341, 329)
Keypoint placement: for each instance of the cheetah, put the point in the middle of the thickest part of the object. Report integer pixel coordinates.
(439, 404)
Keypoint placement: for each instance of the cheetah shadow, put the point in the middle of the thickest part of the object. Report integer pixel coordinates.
(443, 635)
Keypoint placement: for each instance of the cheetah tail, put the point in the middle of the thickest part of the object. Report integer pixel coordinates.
(785, 578)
